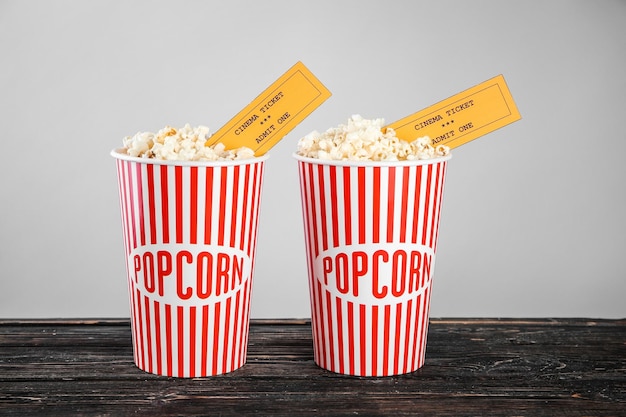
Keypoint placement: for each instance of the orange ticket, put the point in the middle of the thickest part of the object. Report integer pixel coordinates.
(463, 117)
(274, 113)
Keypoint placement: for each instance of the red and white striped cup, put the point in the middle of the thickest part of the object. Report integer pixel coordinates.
(190, 231)
(371, 235)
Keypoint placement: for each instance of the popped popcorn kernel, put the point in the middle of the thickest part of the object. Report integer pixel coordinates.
(363, 140)
(184, 144)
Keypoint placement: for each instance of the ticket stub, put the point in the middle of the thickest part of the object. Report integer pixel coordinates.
(274, 113)
(463, 117)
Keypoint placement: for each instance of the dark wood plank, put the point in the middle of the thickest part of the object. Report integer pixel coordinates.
(574, 367)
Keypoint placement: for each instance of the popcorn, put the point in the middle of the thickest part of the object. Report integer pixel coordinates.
(185, 144)
(363, 140)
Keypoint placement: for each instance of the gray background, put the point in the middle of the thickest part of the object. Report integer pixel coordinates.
(532, 222)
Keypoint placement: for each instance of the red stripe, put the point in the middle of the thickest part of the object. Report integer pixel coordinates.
(165, 205)
(424, 320)
(405, 203)
(333, 201)
(193, 221)
(178, 175)
(244, 209)
(347, 210)
(340, 348)
(122, 199)
(181, 340)
(208, 203)
(362, 324)
(244, 322)
(427, 204)
(234, 218)
(416, 340)
(192, 341)
(316, 320)
(216, 336)
(397, 338)
(322, 323)
(139, 313)
(322, 198)
(223, 193)
(148, 333)
(142, 226)
(237, 334)
(168, 339)
(374, 340)
(205, 339)
(351, 350)
(407, 334)
(390, 202)
(157, 337)
(331, 341)
(151, 203)
(361, 194)
(376, 206)
(416, 207)
(386, 341)
(226, 334)
(424, 341)
(135, 323)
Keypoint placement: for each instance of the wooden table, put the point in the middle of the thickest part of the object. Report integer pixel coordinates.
(535, 367)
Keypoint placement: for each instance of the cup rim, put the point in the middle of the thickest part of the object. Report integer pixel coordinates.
(118, 154)
(370, 163)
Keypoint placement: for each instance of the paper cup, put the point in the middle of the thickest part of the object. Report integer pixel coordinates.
(190, 231)
(371, 233)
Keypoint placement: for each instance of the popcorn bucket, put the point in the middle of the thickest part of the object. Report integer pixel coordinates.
(371, 235)
(190, 231)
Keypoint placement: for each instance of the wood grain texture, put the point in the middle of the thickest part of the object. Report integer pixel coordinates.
(533, 367)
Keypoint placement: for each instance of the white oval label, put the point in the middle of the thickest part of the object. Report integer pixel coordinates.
(375, 274)
(189, 274)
